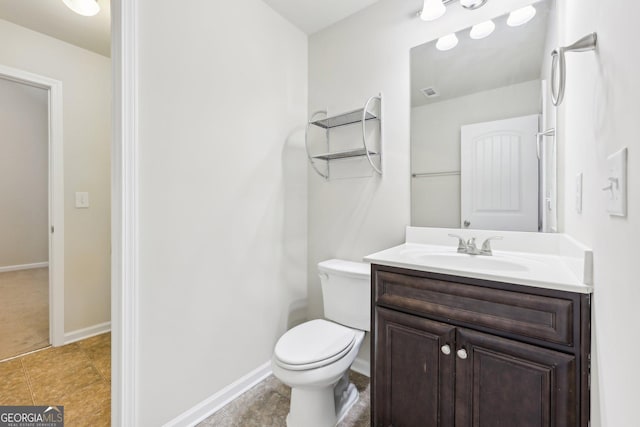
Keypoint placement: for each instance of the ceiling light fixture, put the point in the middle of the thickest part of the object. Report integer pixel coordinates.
(472, 4)
(83, 7)
(432, 9)
(447, 42)
(482, 30)
(521, 16)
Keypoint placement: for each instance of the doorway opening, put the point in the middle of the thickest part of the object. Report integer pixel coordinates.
(32, 264)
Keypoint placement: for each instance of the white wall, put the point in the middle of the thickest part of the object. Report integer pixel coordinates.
(598, 117)
(86, 86)
(435, 146)
(23, 174)
(222, 211)
(356, 58)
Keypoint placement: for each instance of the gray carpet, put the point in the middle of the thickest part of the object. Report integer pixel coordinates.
(267, 405)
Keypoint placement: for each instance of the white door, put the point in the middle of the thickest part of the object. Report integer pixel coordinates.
(499, 175)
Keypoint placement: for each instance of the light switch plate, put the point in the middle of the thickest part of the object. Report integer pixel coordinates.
(82, 199)
(616, 184)
(579, 193)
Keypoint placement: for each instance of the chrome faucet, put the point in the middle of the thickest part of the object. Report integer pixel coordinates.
(469, 247)
(486, 246)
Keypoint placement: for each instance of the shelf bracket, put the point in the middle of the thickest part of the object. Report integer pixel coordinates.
(306, 144)
(364, 134)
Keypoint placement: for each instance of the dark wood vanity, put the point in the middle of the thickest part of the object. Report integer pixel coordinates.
(453, 351)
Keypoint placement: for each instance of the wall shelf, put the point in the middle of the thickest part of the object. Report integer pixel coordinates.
(343, 154)
(344, 119)
(361, 115)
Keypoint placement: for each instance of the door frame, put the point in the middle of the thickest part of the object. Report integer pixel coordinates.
(124, 213)
(55, 194)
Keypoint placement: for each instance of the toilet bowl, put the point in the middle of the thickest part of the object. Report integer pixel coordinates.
(314, 358)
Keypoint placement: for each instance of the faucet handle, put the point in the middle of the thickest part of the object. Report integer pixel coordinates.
(471, 246)
(486, 246)
(462, 246)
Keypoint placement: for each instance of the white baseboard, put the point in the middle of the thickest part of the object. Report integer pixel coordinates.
(362, 366)
(89, 332)
(217, 401)
(24, 266)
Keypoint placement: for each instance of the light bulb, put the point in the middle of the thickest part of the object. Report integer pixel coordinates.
(482, 30)
(83, 7)
(447, 42)
(432, 9)
(521, 16)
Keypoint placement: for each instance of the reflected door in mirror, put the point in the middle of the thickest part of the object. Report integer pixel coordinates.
(499, 175)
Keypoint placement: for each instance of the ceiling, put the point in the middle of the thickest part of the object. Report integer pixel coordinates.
(312, 16)
(508, 56)
(53, 18)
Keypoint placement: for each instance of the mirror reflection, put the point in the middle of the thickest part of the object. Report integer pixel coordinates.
(483, 126)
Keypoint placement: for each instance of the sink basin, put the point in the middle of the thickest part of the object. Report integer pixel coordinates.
(454, 260)
(545, 260)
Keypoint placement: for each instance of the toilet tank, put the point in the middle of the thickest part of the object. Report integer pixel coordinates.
(346, 290)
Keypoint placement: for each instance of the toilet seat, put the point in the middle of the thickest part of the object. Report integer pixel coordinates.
(313, 344)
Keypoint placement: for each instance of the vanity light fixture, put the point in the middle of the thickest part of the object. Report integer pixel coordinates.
(521, 16)
(447, 42)
(482, 30)
(432, 10)
(83, 7)
(472, 4)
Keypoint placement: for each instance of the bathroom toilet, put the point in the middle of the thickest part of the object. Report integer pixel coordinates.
(314, 358)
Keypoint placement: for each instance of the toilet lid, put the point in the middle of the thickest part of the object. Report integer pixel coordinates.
(314, 341)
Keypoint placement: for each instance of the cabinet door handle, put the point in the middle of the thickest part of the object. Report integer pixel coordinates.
(445, 349)
(462, 353)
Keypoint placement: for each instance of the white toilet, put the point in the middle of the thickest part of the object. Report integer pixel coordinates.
(314, 358)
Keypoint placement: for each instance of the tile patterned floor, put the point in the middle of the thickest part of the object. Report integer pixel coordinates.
(267, 405)
(24, 317)
(76, 375)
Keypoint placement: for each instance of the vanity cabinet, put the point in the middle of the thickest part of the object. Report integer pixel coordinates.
(453, 351)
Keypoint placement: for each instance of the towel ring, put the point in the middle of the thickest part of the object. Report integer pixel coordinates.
(559, 65)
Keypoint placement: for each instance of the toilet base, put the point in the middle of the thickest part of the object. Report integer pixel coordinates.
(352, 397)
(322, 407)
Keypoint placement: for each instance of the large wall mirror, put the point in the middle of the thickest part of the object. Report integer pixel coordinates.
(483, 149)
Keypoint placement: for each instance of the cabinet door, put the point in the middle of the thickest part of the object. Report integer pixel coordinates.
(506, 383)
(414, 378)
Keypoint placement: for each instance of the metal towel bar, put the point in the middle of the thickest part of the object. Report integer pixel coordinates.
(434, 174)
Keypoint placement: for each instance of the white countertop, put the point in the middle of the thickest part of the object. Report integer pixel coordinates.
(551, 261)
